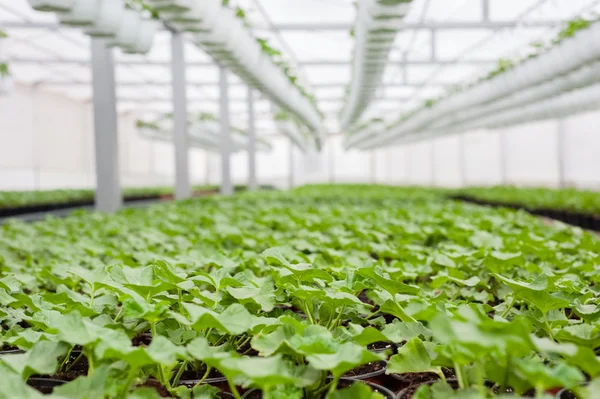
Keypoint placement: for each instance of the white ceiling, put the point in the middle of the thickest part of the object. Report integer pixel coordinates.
(394, 97)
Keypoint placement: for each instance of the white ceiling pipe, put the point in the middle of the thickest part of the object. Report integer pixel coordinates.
(582, 77)
(375, 30)
(572, 53)
(575, 102)
(226, 39)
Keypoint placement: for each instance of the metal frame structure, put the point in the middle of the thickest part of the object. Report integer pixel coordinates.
(105, 99)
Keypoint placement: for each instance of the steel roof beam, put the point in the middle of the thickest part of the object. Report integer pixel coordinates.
(244, 100)
(427, 25)
(215, 84)
(23, 60)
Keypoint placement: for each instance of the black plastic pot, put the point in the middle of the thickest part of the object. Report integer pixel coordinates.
(44, 385)
(209, 381)
(380, 347)
(257, 394)
(373, 374)
(11, 352)
(404, 394)
(401, 377)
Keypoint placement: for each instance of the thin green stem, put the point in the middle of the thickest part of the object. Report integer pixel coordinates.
(65, 359)
(234, 390)
(440, 373)
(119, 314)
(308, 314)
(459, 375)
(333, 385)
(161, 373)
(337, 319)
(510, 306)
(179, 373)
(208, 369)
(548, 327)
(130, 377)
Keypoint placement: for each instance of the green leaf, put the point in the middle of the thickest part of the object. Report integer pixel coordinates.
(348, 356)
(357, 390)
(412, 357)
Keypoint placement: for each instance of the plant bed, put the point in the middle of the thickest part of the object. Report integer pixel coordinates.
(583, 220)
(44, 385)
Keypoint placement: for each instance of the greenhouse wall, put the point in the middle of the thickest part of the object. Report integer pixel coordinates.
(51, 146)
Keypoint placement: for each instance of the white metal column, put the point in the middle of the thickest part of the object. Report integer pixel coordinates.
(373, 167)
(291, 167)
(462, 162)
(331, 159)
(180, 133)
(503, 158)
(561, 143)
(226, 186)
(252, 181)
(432, 163)
(407, 164)
(108, 190)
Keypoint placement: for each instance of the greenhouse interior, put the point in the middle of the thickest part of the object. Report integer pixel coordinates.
(300, 199)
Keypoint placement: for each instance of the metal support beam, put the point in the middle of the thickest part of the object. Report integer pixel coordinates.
(433, 44)
(291, 167)
(252, 181)
(210, 64)
(245, 100)
(462, 162)
(561, 147)
(180, 133)
(405, 68)
(328, 85)
(373, 166)
(407, 164)
(450, 25)
(503, 158)
(331, 160)
(108, 190)
(432, 162)
(226, 186)
(485, 10)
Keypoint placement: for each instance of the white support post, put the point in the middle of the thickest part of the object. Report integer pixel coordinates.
(252, 181)
(180, 133)
(331, 160)
(432, 163)
(404, 68)
(373, 167)
(433, 44)
(503, 158)
(291, 166)
(226, 186)
(108, 190)
(462, 162)
(407, 164)
(561, 143)
(485, 10)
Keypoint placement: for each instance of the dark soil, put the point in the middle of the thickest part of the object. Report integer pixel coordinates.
(44, 385)
(366, 370)
(194, 375)
(142, 339)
